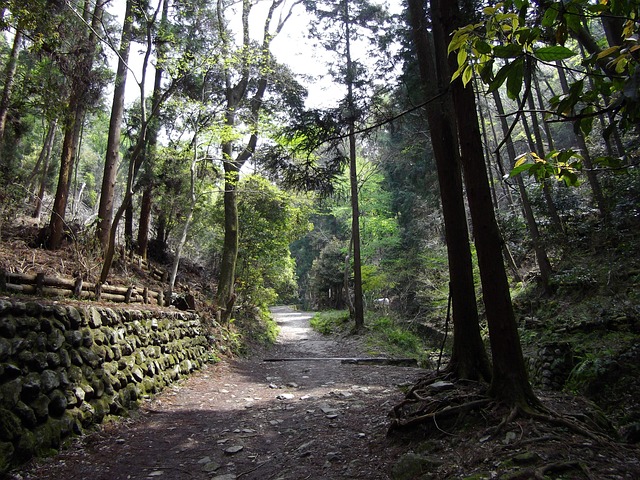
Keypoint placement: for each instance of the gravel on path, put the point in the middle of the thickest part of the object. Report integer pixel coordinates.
(251, 419)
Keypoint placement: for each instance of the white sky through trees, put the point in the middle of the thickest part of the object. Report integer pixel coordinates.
(291, 47)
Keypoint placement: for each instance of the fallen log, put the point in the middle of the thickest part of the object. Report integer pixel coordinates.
(396, 362)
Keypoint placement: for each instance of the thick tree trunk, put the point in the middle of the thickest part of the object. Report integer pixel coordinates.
(358, 305)
(72, 128)
(509, 380)
(9, 76)
(105, 209)
(74, 116)
(468, 359)
(225, 295)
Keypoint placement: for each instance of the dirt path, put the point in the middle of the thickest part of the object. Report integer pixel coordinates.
(250, 419)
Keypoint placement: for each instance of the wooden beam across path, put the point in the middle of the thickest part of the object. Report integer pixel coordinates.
(397, 362)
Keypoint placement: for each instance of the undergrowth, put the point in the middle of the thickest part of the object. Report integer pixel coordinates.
(384, 335)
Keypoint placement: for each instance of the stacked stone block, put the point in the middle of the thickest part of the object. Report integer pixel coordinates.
(64, 368)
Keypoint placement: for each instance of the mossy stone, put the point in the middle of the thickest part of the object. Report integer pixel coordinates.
(53, 359)
(6, 455)
(10, 426)
(411, 465)
(58, 403)
(10, 392)
(49, 380)
(40, 406)
(65, 359)
(87, 337)
(31, 386)
(55, 340)
(26, 446)
(74, 338)
(32, 309)
(27, 324)
(26, 414)
(45, 325)
(5, 349)
(8, 326)
(75, 318)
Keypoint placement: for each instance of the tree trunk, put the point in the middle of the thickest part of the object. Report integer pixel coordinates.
(150, 153)
(187, 222)
(105, 209)
(358, 306)
(546, 190)
(72, 128)
(509, 380)
(468, 358)
(9, 76)
(594, 183)
(143, 224)
(225, 295)
(43, 161)
(76, 109)
(541, 255)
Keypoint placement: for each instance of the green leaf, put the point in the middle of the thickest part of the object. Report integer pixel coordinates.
(486, 71)
(515, 78)
(500, 77)
(556, 52)
(511, 50)
(467, 75)
(521, 168)
(483, 47)
(550, 16)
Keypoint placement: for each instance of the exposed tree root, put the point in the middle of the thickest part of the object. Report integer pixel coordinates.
(562, 467)
(446, 412)
(436, 398)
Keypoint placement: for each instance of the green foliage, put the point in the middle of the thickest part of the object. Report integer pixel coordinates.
(270, 219)
(384, 335)
(389, 335)
(326, 277)
(562, 165)
(330, 321)
(519, 35)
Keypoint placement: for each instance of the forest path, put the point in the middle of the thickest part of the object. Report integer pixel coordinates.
(251, 419)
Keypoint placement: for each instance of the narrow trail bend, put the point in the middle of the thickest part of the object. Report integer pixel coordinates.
(250, 419)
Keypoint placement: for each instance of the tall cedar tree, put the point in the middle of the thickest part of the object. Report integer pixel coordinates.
(469, 358)
(510, 381)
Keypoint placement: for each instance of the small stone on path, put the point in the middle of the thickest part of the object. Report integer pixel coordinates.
(233, 450)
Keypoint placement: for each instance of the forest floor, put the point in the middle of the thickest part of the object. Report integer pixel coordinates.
(249, 418)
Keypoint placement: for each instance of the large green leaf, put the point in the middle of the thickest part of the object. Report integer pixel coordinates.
(500, 77)
(515, 78)
(483, 47)
(511, 50)
(555, 52)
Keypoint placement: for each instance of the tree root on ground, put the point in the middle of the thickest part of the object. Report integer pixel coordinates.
(559, 435)
(561, 467)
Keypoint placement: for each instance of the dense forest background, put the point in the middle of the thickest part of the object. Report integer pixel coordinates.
(217, 165)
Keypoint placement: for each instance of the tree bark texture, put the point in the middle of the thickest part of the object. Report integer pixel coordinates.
(105, 208)
(9, 76)
(469, 359)
(510, 381)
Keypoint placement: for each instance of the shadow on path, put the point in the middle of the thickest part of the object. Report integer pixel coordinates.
(249, 419)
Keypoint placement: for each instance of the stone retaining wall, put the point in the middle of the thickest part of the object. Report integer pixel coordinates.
(64, 368)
